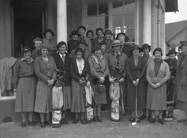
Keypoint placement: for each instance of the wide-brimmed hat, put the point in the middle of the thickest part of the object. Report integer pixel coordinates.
(48, 30)
(171, 51)
(82, 42)
(135, 47)
(44, 46)
(74, 32)
(116, 43)
(126, 37)
(26, 49)
(60, 44)
(183, 43)
(145, 46)
(108, 32)
(96, 47)
(157, 49)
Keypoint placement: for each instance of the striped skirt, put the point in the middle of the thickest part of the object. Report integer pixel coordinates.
(43, 103)
(25, 96)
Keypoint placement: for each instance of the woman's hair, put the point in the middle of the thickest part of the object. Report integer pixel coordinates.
(60, 44)
(159, 50)
(37, 39)
(79, 50)
(89, 31)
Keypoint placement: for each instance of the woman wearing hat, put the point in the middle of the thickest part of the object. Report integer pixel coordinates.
(135, 69)
(73, 43)
(49, 41)
(99, 71)
(126, 48)
(181, 81)
(25, 86)
(79, 72)
(63, 63)
(108, 40)
(100, 37)
(45, 70)
(90, 35)
(157, 75)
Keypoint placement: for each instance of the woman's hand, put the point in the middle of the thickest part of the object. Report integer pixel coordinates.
(102, 79)
(88, 83)
(50, 82)
(111, 79)
(157, 85)
(134, 83)
(137, 81)
(121, 80)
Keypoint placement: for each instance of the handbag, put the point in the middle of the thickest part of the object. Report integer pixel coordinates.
(100, 88)
(89, 113)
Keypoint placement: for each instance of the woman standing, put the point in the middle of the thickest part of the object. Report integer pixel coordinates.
(79, 74)
(99, 71)
(90, 35)
(136, 68)
(63, 63)
(45, 71)
(157, 75)
(25, 85)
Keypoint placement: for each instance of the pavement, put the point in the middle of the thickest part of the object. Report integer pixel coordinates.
(106, 129)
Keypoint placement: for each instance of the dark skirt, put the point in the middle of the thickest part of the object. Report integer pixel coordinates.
(43, 103)
(131, 96)
(78, 97)
(67, 98)
(25, 96)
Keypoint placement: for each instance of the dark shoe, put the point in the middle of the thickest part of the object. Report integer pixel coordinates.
(75, 121)
(31, 123)
(161, 121)
(42, 124)
(23, 124)
(83, 121)
(151, 120)
(132, 119)
(48, 123)
(95, 119)
(99, 119)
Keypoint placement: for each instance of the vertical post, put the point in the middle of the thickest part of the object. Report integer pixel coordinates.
(61, 20)
(147, 22)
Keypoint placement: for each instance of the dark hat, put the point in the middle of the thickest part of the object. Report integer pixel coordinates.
(108, 32)
(48, 30)
(102, 43)
(99, 29)
(74, 32)
(157, 49)
(44, 46)
(26, 49)
(135, 47)
(116, 43)
(96, 47)
(81, 26)
(60, 44)
(126, 37)
(183, 43)
(145, 46)
(82, 42)
(171, 51)
(89, 31)
(79, 50)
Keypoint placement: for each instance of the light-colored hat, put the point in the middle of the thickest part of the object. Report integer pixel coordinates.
(116, 43)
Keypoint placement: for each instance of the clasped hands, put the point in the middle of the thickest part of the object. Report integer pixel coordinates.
(135, 82)
(50, 82)
(155, 85)
(111, 79)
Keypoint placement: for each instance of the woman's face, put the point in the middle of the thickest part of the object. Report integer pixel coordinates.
(172, 56)
(100, 34)
(121, 38)
(81, 31)
(146, 51)
(98, 53)
(157, 55)
(79, 55)
(75, 37)
(37, 44)
(184, 49)
(44, 52)
(90, 36)
(27, 55)
(117, 49)
(82, 46)
(48, 35)
(136, 52)
(103, 48)
(108, 36)
(62, 49)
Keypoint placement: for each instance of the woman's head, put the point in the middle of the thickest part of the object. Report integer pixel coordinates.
(122, 37)
(97, 50)
(62, 47)
(81, 30)
(146, 48)
(108, 34)
(90, 34)
(37, 42)
(116, 46)
(103, 46)
(74, 35)
(26, 52)
(48, 33)
(79, 53)
(183, 46)
(99, 32)
(82, 44)
(136, 50)
(157, 53)
(44, 50)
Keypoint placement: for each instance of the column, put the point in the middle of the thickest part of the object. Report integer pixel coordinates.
(147, 22)
(61, 20)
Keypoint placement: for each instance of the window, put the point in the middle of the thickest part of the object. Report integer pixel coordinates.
(123, 17)
(97, 15)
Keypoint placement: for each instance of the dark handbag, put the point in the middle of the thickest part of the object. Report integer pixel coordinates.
(100, 88)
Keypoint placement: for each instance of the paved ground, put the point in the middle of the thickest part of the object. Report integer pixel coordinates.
(107, 129)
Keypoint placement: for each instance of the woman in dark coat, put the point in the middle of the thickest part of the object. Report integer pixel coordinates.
(136, 68)
(25, 85)
(45, 70)
(73, 42)
(63, 63)
(99, 71)
(79, 73)
(157, 75)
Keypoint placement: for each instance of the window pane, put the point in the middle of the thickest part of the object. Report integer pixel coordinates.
(103, 8)
(103, 22)
(129, 20)
(129, 7)
(117, 7)
(130, 34)
(92, 9)
(117, 21)
(92, 22)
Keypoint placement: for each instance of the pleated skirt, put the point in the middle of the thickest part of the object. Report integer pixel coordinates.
(25, 96)
(43, 103)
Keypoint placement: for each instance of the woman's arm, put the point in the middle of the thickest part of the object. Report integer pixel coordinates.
(128, 70)
(92, 69)
(167, 76)
(15, 76)
(72, 72)
(148, 74)
(106, 73)
(143, 70)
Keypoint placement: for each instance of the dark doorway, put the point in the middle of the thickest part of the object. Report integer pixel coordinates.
(29, 17)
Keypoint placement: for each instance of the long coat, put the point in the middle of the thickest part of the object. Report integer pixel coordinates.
(134, 72)
(181, 80)
(156, 97)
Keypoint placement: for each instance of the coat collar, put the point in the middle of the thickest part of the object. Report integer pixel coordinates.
(23, 59)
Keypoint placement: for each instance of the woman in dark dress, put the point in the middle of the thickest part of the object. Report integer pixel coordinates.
(25, 85)
(136, 69)
(79, 73)
(63, 63)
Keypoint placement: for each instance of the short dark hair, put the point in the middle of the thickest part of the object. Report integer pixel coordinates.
(89, 31)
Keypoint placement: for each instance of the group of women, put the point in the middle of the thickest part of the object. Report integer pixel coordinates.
(93, 62)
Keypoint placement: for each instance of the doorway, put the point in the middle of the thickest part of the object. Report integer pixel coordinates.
(29, 22)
